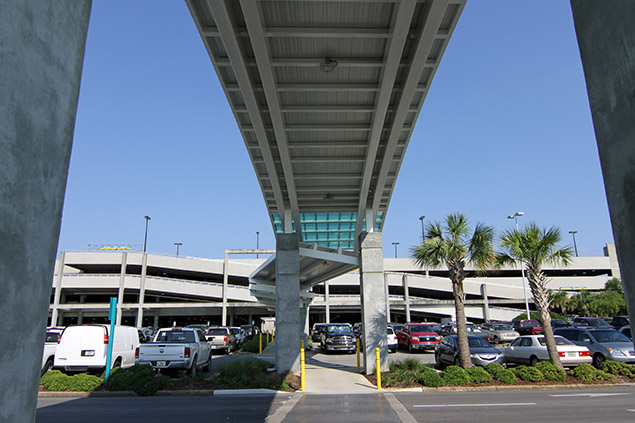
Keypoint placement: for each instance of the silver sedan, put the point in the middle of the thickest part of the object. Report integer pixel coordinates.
(531, 349)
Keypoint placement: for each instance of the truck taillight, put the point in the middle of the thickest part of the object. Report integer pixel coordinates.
(225, 339)
(136, 352)
(187, 352)
(105, 339)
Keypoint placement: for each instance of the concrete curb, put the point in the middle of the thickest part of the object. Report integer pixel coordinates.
(251, 392)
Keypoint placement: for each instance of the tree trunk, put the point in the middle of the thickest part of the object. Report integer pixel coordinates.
(538, 284)
(457, 276)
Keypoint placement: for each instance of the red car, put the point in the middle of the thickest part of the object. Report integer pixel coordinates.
(527, 327)
(417, 337)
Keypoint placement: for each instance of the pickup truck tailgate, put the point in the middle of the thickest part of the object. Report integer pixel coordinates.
(161, 352)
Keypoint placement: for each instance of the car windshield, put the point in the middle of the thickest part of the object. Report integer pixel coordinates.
(471, 327)
(478, 343)
(217, 331)
(390, 331)
(559, 341)
(595, 322)
(502, 327)
(397, 327)
(609, 336)
(235, 331)
(340, 330)
(421, 328)
(176, 336)
(52, 336)
(529, 323)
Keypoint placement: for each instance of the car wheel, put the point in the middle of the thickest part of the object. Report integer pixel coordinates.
(533, 360)
(192, 369)
(440, 364)
(208, 366)
(598, 361)
(410, 347)
(496, 340)
(48, 366)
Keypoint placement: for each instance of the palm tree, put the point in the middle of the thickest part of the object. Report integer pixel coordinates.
(533, 247)
(559, 299)
(451, 245)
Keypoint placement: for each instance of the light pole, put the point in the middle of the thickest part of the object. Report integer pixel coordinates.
(145, 239)
(178, 244)
(575, 246)
(395, 244)
(257, 242)
(422, 230)
(515, 216)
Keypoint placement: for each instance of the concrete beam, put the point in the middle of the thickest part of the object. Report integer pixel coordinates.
(373, 296)
(42, 51)
(606, 37)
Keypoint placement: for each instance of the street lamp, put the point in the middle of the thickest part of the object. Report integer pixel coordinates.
(145, 239)
(422, 231)
(178, 244)
(395, 244)
(515, 216)
(575, 246)
(257, 242)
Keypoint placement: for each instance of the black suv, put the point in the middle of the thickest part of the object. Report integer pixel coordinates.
(619, 321)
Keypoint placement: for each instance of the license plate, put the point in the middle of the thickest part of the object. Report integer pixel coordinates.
(572, 354)
(162, 363)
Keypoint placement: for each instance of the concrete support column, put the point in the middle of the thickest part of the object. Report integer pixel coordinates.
(225, 282)
(485, 302)
(122, 282)
(606, 37)
(406, 297)
(326, 302)
(142, 290)
(373, 296)
(231, 317)
(58, 289)
(388, 317)
(288, 319)
(42, 52)
(304, 320)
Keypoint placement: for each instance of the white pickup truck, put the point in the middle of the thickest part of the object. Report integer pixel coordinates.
(177, 348)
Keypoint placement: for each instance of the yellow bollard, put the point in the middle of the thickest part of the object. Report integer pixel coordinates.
(260, 346)
(357, 353)
(302, 374)
(273, 336)
(378, 369)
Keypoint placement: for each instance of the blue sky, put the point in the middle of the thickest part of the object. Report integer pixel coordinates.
(506, 127)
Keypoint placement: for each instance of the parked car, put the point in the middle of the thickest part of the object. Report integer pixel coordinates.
(416, 336)
(396, 326)
(249, 330)
(530, 349)
(559, 323)
(316, 331)
(499, 332)
(83, 348)
(590, 321)
(626, 331)
(338, 337)
(527, 327)
(391, 338)
(50, 345)
(176, 348)
(620, 321)
(142, 337)
(239, 334)
(357, 329)
(481, 352)
(471, 330)
(603, 343)
(221, 338)
(201, 327)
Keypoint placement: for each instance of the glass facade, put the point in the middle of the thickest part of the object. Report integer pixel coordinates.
(333, 229)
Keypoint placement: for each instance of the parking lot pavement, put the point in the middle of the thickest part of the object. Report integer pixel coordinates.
(347, 361)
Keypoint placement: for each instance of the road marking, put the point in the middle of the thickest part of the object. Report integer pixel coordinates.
(502, 404)
(399, 409)
(284, 409)
(614, 394)
(630, 410)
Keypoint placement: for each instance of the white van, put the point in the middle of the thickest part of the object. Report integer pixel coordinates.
(82, 348)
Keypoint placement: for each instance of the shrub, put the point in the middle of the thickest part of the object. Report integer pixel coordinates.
(494, 369)
(249, 374)
(455, 375)
(551, 371)
(619, 368)
(529, 373)
(140, 379)
(506, 376)
(478, 374)
(430, 379)
(57, 381)
(587, 373)
(253, 345)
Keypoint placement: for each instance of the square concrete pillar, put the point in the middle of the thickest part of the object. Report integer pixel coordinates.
(606, 37)
(373, 296)
(41, 57)
(289, 322)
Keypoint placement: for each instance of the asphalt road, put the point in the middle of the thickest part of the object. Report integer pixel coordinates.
(562, 406)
